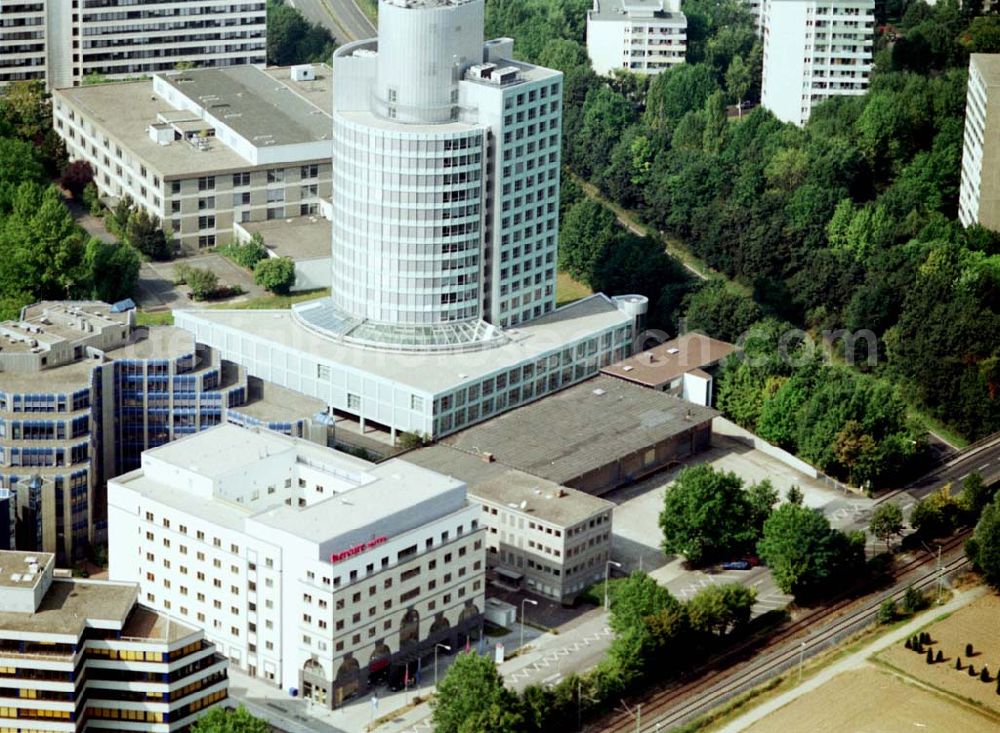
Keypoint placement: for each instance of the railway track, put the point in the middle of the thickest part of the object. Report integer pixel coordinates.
(801, 639)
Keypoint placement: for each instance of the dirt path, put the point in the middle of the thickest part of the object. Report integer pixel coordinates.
(630, 221)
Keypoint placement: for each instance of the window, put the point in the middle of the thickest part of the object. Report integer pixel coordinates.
(206, 183)
(241, 179)
(276, 175)
(310, 171)
(353, 401)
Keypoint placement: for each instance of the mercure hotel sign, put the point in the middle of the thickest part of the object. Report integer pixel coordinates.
(358, 549)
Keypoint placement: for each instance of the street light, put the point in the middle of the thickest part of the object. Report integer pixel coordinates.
(802, 650)
(607, 572)
(533, 603)
(447, 649)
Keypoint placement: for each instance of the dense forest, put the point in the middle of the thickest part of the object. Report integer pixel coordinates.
(848, 223)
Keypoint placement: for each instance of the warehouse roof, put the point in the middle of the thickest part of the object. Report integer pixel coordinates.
(582, 428)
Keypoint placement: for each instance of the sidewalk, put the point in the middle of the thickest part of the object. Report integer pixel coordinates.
(853, 661)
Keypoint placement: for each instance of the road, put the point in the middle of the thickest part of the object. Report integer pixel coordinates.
(983, 457)
(343, 18)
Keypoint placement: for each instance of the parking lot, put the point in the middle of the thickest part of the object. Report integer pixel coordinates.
(637, 535)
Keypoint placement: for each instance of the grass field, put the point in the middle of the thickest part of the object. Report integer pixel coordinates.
(875, 701)
(568, 289)
(273, 302)
(157, 318)
(977, 624)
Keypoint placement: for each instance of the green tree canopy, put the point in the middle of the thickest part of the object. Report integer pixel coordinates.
(886, 522)
(983, 548)
(472, 689)
(804, 553)
(276, 274)
(223, 720)
(707, 515)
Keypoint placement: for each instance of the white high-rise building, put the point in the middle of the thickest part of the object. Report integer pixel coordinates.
(307, 567)
(643, 36)
(446, 181)
(979, 196)
(64, 41)
(814, 50)
(445, 226)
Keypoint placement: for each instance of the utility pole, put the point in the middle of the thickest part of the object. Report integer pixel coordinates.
(940, 578)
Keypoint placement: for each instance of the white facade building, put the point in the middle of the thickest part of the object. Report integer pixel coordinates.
(444, 227)
(814, 50)
(63, 42)
(309, 568)
(446, 184)
(643, 36)
(979, 196)
(206, 149)
(81, 655)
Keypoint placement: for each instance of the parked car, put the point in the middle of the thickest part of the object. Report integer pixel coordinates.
(736, 565)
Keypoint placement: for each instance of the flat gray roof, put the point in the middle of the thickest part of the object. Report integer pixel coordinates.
(988, 65)
(71, 604)
(127, 109)
(500, 484)
(581, 428)
(247, 100)
(301, 238)
(389, 490)
(433, 373)
(271, 403)
(616, 10)
(14, 563)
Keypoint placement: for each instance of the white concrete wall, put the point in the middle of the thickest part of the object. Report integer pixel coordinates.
(784, 72)
(606, 45)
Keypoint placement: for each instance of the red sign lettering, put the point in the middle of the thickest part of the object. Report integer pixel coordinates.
(357, 549)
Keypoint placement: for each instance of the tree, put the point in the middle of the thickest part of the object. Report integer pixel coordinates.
(887, 614)
(144, 233)
(983, 548)
(706, 515)
(471, 689)
(113, 269)
(718, 310)
(291, 39)
(976, 494)
(761, 498)
(276, 274)
(222, 720)
(738, 81)
(804, 552)
(76, 177)
(638, 597)
(886, 522)
(583, 235)
(203, 282)
(721, 610)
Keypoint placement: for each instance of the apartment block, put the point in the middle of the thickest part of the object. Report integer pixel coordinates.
(814, 50)
(206, 148)
(82, 655)
(308, 568)
(979, 195)
(83, 391)
(62, 42)
(642, 36)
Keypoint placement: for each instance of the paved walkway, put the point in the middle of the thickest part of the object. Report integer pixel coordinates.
(853, 661)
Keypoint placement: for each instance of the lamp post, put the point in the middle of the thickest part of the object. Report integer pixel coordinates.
(607, 572)
(802, 650)
(533, 603)
(447, 649)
